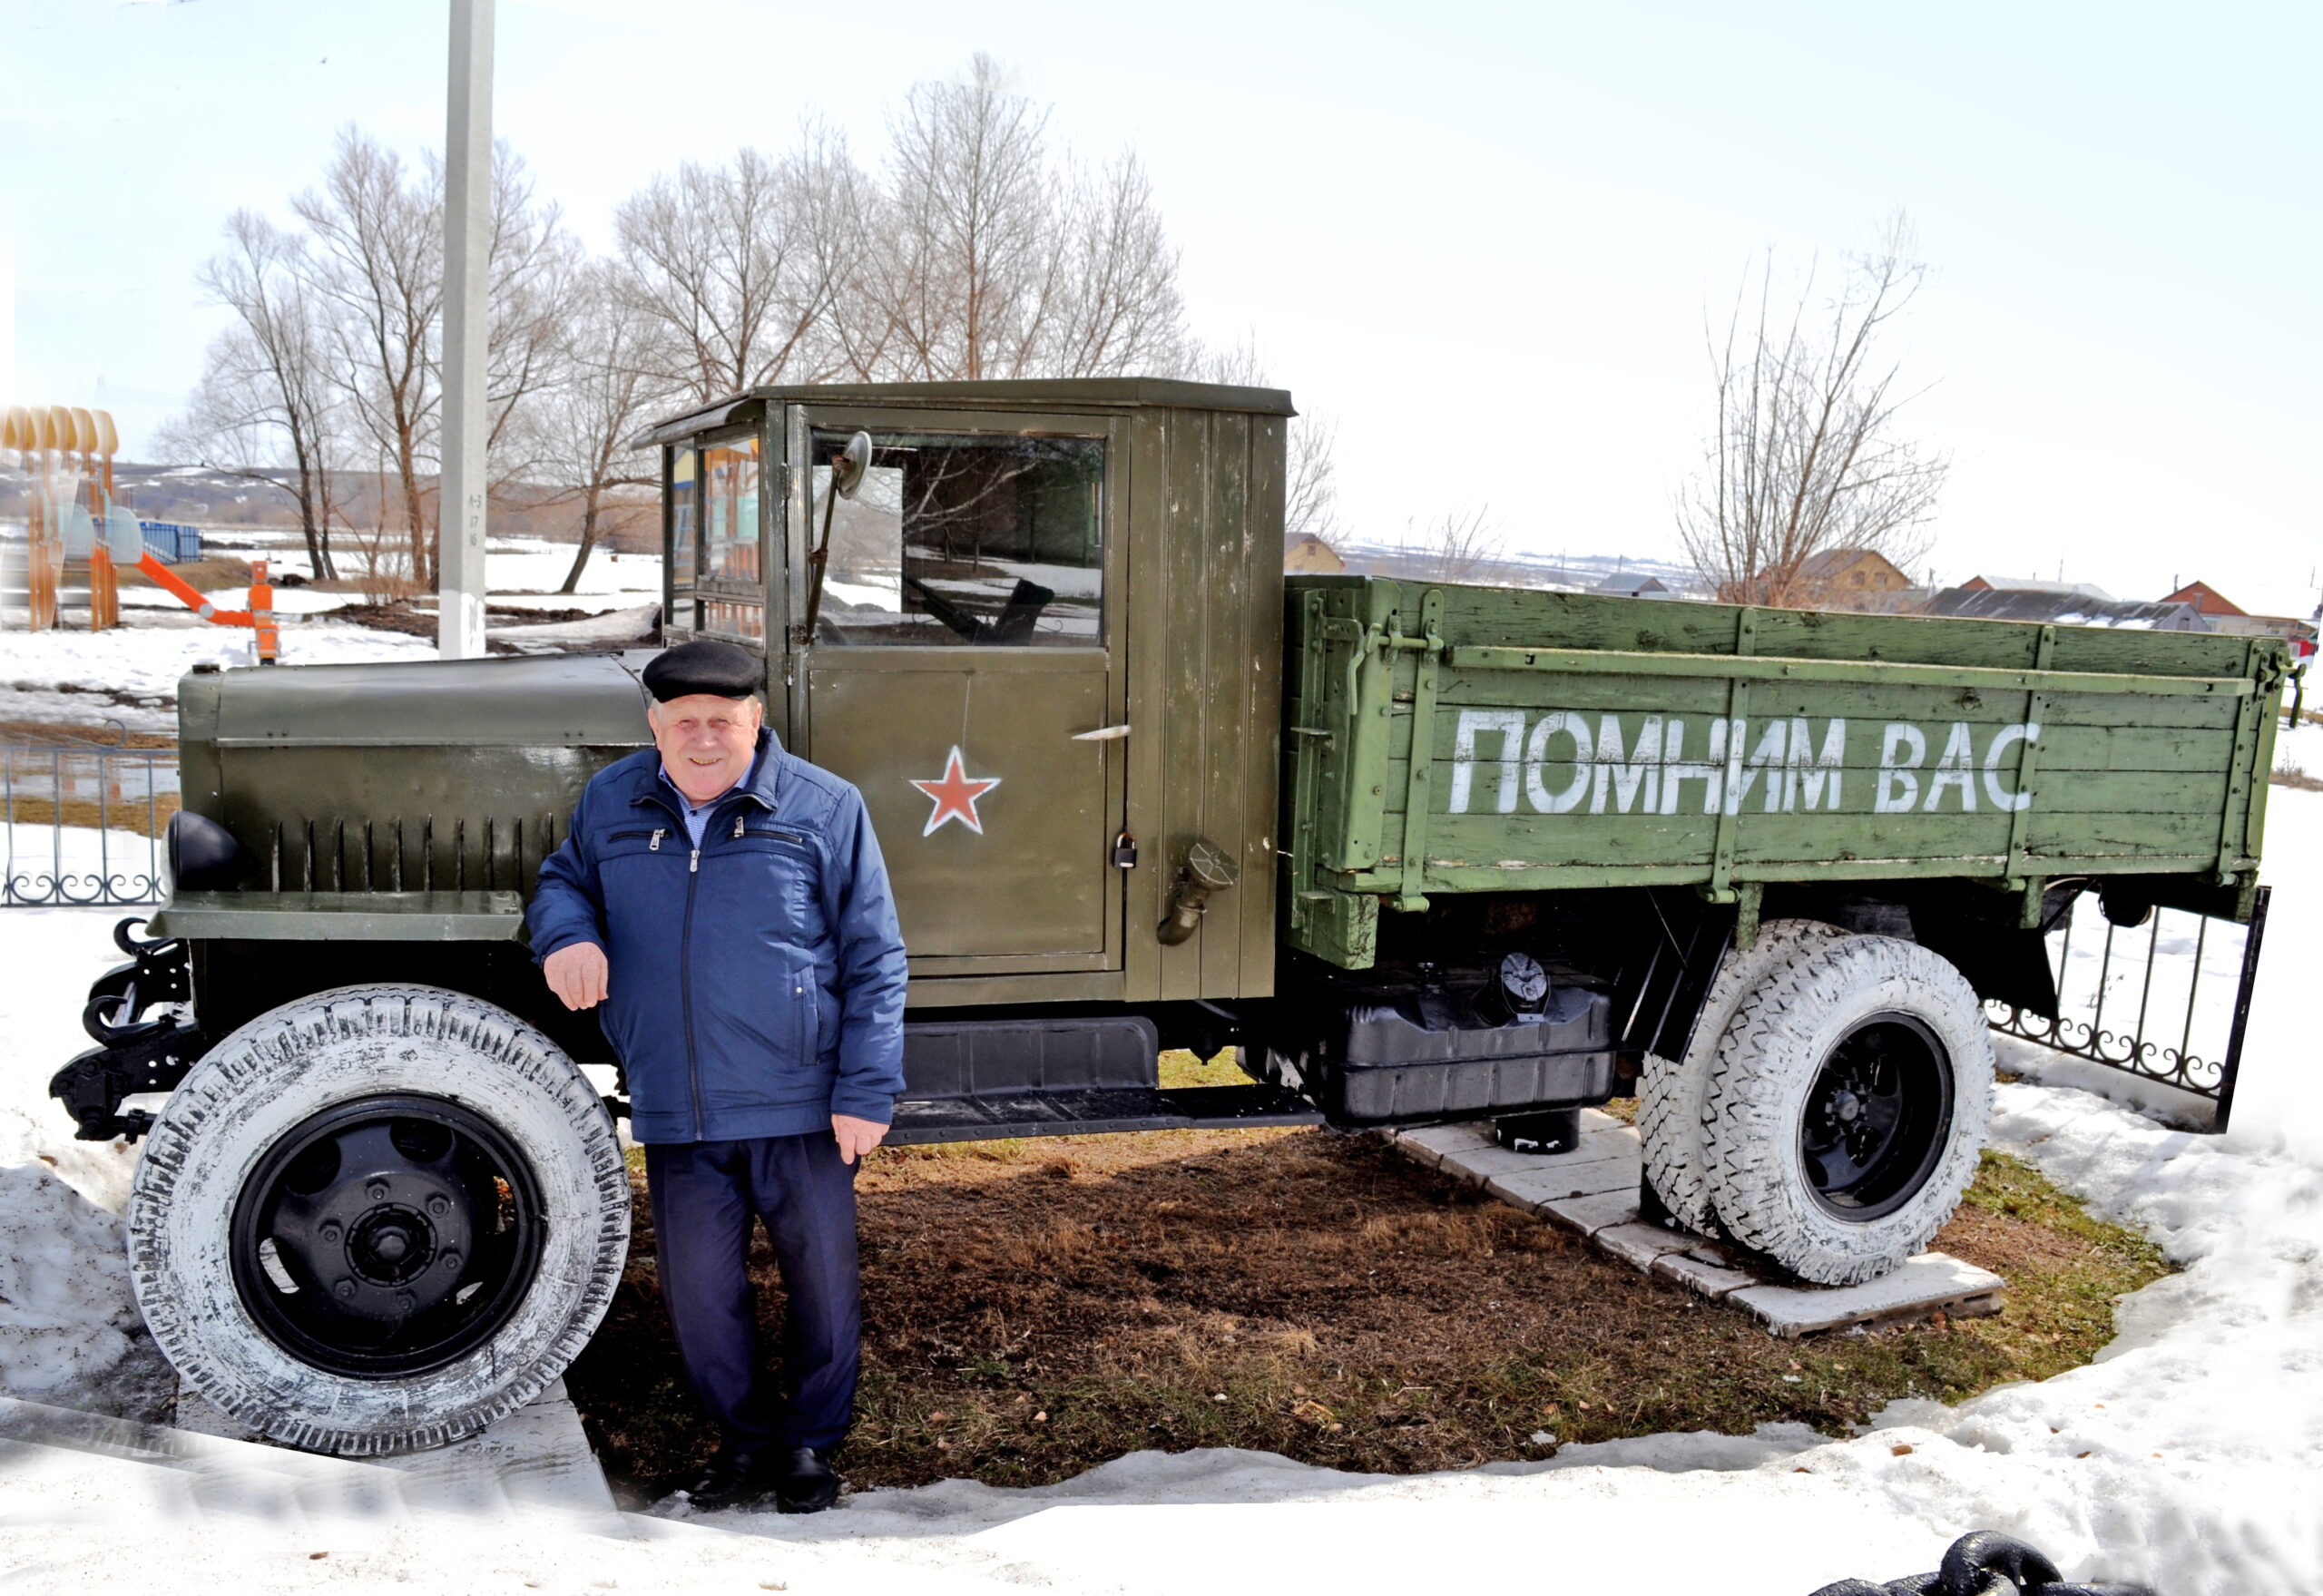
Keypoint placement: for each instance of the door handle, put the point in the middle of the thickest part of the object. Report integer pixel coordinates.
(1103, 734)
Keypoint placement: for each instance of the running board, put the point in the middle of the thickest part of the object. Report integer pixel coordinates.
(1096, 1113)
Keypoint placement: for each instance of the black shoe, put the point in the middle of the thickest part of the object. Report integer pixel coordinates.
(731, 1475)
(803, 1480)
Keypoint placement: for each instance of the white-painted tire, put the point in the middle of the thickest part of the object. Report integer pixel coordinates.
(320, 1055)
(1672, 1094)
(1773, 1094)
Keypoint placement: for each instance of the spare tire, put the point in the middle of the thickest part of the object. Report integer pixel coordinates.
(378, 1218)
(1847, 1108)
(1672, 1093)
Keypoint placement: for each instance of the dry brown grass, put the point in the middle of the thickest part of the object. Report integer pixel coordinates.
(54, 734)
(1033, 1309)
(137, 816)
(215, 572)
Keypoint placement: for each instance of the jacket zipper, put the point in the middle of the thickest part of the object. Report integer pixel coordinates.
(685, 967)
(685, 988)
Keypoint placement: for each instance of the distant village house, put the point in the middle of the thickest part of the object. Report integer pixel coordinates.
(2222, 614)
(1836, 572)
(1311, 555)
(2033, 584)
(1633, 584)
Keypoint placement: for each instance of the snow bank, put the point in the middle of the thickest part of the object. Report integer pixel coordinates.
(69, 1329)
(64, 1323)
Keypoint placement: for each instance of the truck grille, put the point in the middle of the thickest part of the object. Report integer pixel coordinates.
(405, 854)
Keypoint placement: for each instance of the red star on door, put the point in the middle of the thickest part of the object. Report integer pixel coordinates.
(956, 793)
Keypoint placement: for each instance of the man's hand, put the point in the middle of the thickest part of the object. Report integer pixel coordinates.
(856, 1137)
(577, 974)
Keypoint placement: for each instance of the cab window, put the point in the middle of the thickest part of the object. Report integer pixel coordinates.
(957, 540)
(716, 586)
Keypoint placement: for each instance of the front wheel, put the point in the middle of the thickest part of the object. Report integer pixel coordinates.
(378, 1218)
(1848, 1107)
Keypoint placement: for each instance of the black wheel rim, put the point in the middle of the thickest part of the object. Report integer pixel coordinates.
(387, 1236)
(1877, 1118)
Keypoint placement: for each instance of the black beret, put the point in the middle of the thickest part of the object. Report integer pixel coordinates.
(718, 669)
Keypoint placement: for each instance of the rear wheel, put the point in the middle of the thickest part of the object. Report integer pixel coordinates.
(1848, 1107)
(378, 1218)
(1672, 1093)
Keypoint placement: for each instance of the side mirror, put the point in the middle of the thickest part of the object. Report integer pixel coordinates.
(849, 467)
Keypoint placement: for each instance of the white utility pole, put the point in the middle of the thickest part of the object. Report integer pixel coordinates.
(467, 289)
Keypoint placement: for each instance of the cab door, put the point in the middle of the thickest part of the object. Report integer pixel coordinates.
(964, 671)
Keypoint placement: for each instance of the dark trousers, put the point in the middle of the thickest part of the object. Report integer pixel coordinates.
(705, 1194)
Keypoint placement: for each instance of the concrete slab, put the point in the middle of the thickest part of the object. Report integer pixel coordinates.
(1639, 1244)
(1590, 1215)
(1930, 1283)
(537, 1457)
(1430, 1144)
(1484, 1162)
(1711, 1280)
(1583, 1178)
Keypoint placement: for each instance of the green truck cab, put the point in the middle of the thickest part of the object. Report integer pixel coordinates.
(1422, 852)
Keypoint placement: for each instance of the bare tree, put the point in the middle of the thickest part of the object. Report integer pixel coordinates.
(1118, 308)
(378, 264)
(1458, 545)
(1806, 457)
(264, 397)
(534, 263)
(738, 268)
(987, 257)
(1310, 487)
(375, 269)
(1310, 496)
(577, 433)
(965, 254)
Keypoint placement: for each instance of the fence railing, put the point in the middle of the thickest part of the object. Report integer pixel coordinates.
(83, 824)
(2167, 1000)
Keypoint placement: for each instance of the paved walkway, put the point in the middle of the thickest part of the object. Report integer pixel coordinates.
(1593, 1190)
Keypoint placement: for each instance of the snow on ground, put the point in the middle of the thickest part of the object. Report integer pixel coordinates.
(2300, 748)
(86, 676)
(514, 566)
(130, 674)
(2190, 1455)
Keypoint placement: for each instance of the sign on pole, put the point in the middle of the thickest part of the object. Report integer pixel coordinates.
(467, 244)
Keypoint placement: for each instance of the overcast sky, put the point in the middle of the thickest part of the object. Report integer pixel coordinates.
(1479, 239)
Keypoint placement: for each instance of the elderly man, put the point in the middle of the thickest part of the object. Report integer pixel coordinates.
(725, 901)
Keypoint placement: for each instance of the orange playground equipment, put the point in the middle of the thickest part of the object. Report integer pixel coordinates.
(67, 452)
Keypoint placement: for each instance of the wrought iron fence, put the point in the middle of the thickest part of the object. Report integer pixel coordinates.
(82, 823)
(2167, 1000)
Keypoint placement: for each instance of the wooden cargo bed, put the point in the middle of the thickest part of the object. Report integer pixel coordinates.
(1574, 740)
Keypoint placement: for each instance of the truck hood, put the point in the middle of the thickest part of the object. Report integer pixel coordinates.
(558, 700)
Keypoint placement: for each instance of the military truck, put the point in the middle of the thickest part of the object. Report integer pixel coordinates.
(1422, 851)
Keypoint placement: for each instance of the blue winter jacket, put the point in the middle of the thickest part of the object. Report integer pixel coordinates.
(756, 984)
